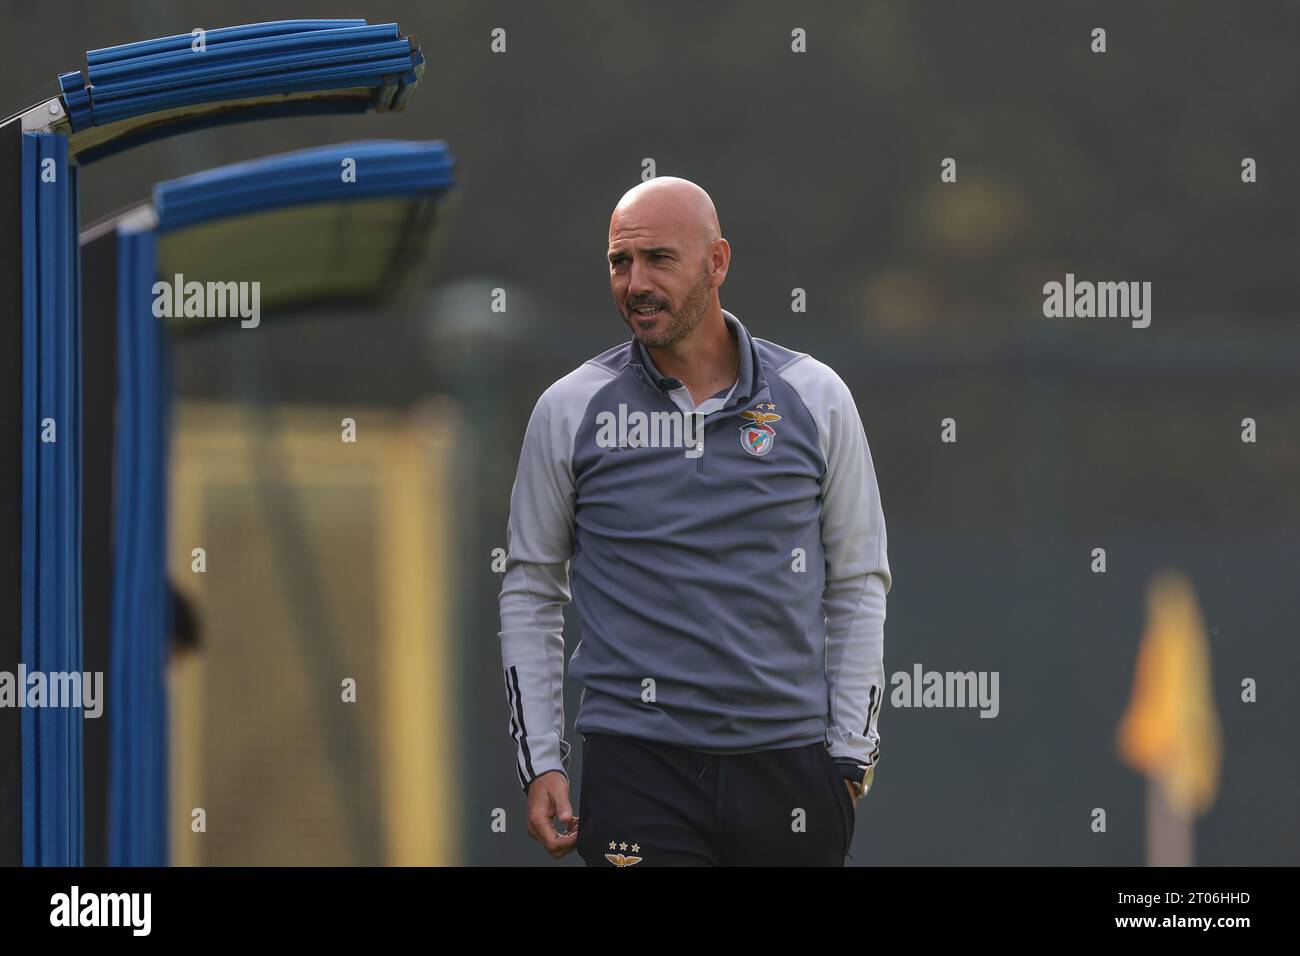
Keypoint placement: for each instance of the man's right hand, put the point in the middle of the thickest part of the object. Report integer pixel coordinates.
(548, 802)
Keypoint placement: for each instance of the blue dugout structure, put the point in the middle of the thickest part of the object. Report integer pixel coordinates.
(268, 202)
(57, 534)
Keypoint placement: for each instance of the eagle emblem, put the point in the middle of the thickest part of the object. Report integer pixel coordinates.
(757, 436)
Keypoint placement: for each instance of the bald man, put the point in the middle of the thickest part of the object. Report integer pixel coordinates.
(709, 501)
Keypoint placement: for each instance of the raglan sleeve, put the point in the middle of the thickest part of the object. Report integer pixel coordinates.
(857, 580)
(535, 589)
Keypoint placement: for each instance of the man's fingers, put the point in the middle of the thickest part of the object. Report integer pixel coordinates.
(565, 814)
(564, 843)
(544, 813)
(539, 825)
(542, 828)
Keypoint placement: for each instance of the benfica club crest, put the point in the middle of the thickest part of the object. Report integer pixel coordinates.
(757, 436)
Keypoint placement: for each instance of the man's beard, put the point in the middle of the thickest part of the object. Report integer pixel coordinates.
(681, 323)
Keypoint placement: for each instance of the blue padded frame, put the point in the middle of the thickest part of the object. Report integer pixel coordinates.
(51, 524)
(137, 804)
(383, 168)
(287, 56)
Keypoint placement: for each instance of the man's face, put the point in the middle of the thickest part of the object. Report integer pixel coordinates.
(661, 286)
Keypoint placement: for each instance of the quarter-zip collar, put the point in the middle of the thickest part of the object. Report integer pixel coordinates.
(750, 382)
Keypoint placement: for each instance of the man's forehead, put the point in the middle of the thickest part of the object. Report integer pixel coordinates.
(645, 239)
(637, 224)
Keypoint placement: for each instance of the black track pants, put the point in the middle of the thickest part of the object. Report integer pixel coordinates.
(649, 804)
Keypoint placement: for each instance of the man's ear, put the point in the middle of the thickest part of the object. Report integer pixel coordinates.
(719, 259)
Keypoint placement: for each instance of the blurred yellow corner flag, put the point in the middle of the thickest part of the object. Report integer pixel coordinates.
(1171, 730)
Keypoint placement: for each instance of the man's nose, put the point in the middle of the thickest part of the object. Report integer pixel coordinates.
(638, 282)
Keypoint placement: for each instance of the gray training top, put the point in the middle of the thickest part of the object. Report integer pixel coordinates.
(732, 596)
